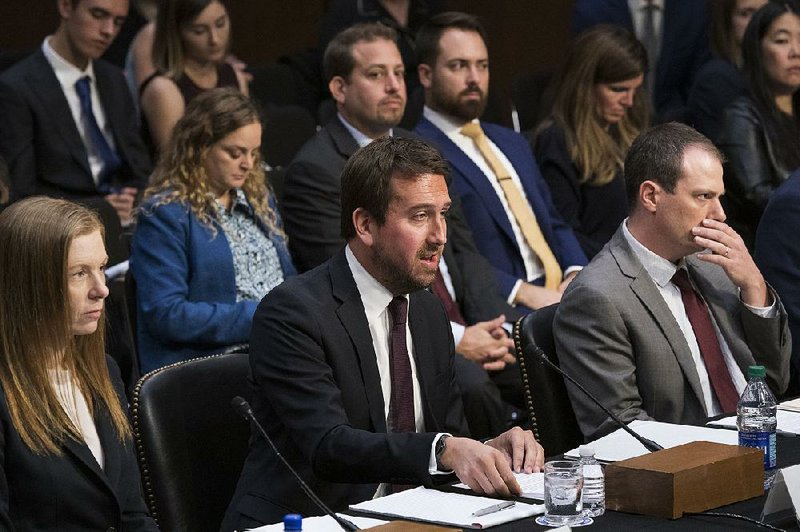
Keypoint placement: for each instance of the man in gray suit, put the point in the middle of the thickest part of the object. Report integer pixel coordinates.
(665, 320)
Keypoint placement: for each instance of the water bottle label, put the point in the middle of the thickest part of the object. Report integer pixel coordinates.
(592, 471)
(764, 441)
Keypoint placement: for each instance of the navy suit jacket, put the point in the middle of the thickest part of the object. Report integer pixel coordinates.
(40, 141)
(684, 45)
(70, 492)
(317, 391)
(485, 213)
(778, 255)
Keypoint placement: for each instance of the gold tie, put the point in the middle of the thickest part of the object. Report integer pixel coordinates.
(519, 206)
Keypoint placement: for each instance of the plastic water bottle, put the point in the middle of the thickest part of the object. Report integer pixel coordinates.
(757, 420)
(594, 483)
(293, 522)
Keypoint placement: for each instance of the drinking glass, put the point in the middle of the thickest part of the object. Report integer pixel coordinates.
(563, 482)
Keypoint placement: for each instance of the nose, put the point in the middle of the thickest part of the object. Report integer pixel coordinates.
(247, 161)
(438, 234)
(627, 98)
(717, 212)
(107, 26)
(99, 290)
(394, 82)
(213, 37)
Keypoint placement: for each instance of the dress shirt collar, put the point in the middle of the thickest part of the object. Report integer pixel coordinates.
(374, 295)
(639, 5)
(449, 125)
(660, 269)
(65, 71)
(360, 138)
(239, 200)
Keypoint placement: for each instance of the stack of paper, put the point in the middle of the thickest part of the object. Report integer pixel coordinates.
(788, 421)
(324, 523)
(619, 445)
(532, 485)
(453, 509)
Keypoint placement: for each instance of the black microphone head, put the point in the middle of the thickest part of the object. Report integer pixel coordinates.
(242, 407)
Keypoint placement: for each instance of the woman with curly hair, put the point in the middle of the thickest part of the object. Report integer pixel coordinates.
(67, 459)
(599, 110)
(208, 245)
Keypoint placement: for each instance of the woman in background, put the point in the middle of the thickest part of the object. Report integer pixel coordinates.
(67, 460)
(191, 42)
(580, 148)
(720, 81)
(208, 245)
(761, 131)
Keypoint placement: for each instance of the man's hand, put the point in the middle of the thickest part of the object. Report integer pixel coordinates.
(536, 297)
(568, 279)
(521, 450)
(481, 467)
(123, 204)
(487, 343)
(730, 253)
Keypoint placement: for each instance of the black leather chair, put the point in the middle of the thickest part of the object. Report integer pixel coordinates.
(190, 443)
(549, 409)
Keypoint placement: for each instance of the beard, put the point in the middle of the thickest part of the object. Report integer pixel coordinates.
(458, 107)
(400, 278)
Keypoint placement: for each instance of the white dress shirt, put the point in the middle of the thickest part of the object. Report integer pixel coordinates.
(77, 410)
(661, 271)
(68, 75)
(637, 9)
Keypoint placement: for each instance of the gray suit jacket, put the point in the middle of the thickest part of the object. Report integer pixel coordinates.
(616, 336)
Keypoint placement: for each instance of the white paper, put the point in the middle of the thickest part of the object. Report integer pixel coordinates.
(785, 492)
(324, 523)
(788, 422)
(532, 485)
(455, 509)
(619, 445)
(793, 405)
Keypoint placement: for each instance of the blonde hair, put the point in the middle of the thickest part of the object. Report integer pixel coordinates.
(180, 175)
(35, 324)
(603, 54)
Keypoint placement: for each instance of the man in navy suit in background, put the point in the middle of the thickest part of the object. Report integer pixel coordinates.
(504, 198)
(69, 127)
(675, 34)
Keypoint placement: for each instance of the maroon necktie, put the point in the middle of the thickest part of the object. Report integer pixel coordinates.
(440, 290)
(401, 403)
(707, 340)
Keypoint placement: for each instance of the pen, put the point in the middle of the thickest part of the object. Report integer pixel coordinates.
(493, 508)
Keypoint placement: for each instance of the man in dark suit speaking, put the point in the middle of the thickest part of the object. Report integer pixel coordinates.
(665, 320)
(352, 362)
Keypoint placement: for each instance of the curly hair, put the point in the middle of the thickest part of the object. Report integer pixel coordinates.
(180, 175)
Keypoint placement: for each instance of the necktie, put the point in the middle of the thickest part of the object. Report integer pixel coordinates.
(651, 43)
(109, 157)
(450, 307)
(520, 208)
(401, 403)
(707, 340)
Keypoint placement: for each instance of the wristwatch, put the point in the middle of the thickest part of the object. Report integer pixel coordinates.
(439, 451)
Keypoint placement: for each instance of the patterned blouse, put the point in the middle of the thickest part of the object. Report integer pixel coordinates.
(256, 265)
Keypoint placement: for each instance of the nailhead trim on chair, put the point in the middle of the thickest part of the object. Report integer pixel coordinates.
(523, 369)
(150, 496)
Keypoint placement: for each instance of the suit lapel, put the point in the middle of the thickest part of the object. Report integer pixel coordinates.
(81, 453)
(111, 107)
(470, 172)
(44, 84)
(352, 317)
(646, 291)
(423, 357)
(342, 140)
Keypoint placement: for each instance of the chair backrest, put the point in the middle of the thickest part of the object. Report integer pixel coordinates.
(190, 442)
(549, 408)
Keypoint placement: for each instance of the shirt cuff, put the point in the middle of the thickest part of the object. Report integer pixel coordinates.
(432, 462)
(764, 312)
(572, 269)
(513, 294)
(458, 333)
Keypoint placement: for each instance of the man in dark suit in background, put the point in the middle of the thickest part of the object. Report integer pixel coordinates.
(778, 255)
(365, 73)
(675, 34)
(665, 320)
(352, 362)
(69, 127)
(504, 198)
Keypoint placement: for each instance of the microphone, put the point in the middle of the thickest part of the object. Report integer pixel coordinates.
(535, 350)
(243, 408)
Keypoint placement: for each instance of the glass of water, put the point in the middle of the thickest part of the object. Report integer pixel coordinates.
(563, 482)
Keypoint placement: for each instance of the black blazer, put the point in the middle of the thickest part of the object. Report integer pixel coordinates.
(41, 143)
(70, 492)
(311, 209)
(316, 390)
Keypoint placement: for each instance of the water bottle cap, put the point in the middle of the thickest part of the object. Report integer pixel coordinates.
(586, 450)
(756, 371)
(293, 522)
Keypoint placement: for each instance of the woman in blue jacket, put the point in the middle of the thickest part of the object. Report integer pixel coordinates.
(208, 245)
